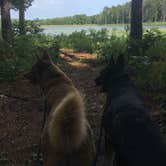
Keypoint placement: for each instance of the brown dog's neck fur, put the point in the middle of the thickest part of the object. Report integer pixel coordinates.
(56, 76)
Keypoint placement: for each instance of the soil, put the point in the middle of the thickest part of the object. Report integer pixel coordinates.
(22, 108)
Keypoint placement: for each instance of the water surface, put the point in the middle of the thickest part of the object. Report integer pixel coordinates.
(68, 29)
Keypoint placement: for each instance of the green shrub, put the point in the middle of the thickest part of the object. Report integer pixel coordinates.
(31, 27)
(26, 48)
(63, 41)
(151, 37)
(152, 77)
(79, 41)
(86, 41)
(111, 48)
(147, 63)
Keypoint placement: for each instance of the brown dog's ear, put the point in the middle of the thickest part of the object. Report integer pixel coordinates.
(46, 56)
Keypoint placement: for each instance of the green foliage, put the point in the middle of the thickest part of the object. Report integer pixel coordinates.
(111, 48)
(25, 50)
(31, 27)
(152, 77)
(16, 3)
(98, 37)
(148, 64)
(151, 37)
(86, 41)
(79, 41)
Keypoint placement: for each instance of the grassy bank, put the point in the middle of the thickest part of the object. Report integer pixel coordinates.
(154, 23)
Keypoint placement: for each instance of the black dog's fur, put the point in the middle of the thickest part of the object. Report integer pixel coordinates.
(134, 136)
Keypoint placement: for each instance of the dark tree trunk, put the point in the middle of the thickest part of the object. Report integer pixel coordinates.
(6, 27)
(22, 17)
(136, 19)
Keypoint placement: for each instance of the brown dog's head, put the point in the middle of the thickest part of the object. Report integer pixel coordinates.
(38, 69)
(111, 73)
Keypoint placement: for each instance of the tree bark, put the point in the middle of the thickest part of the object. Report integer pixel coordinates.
(22, 17)
(6, 28)
(136, 19)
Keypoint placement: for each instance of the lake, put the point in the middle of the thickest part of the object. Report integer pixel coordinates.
(68, 29)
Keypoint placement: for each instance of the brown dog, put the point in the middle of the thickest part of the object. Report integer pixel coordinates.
(67, 138)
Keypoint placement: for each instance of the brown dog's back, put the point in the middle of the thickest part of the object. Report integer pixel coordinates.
(67, 137)
(67, 126)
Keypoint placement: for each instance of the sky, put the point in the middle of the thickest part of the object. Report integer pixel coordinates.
(59, 8)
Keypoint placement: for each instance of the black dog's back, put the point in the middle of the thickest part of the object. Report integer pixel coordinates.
(134, 136)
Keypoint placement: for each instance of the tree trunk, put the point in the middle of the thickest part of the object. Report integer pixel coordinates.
(136, 19)
(6, 27)
(22, 17)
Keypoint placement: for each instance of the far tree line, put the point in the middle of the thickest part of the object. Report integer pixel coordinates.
(153, 11)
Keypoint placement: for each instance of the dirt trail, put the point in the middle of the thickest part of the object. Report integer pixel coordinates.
(20, 121)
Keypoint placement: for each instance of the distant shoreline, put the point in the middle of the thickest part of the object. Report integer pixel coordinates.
(83, 24)
(145, 23)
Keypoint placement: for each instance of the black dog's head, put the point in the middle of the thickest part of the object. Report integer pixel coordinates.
(35, 75)
(109, 75)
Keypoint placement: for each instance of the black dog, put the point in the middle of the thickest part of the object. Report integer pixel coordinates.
(135, 138)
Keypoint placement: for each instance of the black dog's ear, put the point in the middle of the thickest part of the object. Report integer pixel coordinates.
(98, 81)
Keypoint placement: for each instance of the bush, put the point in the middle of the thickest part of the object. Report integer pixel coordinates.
(31, 27)
(25, 51)
(152, 77)
(150, 65)
(111, 48)
(80, 41)
(63, 41)
(98, 37)
(86, 41)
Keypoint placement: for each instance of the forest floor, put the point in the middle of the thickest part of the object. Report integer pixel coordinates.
(21, 120)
